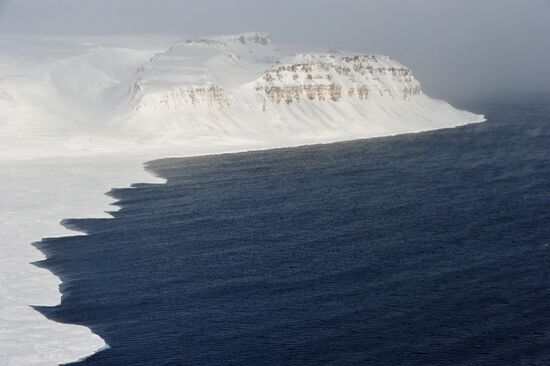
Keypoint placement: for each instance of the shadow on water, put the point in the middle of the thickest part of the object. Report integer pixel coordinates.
(425, 249)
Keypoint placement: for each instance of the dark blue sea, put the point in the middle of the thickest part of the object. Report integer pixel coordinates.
(421, 249)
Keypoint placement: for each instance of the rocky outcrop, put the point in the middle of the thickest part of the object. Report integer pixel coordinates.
(291, 93)
(261, 39)
(334, 77)
(186, 96)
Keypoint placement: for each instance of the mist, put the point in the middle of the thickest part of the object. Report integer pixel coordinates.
(459, 49)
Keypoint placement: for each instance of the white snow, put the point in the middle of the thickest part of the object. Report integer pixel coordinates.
(79, 116)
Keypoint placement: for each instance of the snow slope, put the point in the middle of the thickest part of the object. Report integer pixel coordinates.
(78, 116)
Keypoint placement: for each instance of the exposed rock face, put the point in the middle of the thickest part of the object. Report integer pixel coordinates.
(244, 39)
(333, 77)
(258, 38)
(178, 97)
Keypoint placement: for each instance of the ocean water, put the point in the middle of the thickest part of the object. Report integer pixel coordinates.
(423, 249)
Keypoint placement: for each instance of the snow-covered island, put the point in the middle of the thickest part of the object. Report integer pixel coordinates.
(81, 96)
(79, 116)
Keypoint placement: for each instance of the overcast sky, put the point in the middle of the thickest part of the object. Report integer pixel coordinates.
(457, 48)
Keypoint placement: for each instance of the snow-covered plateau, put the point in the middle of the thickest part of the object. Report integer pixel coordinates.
(79, 116)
